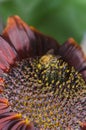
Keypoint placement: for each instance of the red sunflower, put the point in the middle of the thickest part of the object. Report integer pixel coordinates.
(42, 83)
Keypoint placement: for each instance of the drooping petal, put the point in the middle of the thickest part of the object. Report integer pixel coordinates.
(26, 40)
(73, 54)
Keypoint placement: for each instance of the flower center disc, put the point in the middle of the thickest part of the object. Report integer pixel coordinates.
(43, 90)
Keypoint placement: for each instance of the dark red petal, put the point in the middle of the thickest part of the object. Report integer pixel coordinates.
(16, 36)
(7, 55)
(30, 127)
(8, 124)
(10, 120)
(4, 101)
(18, 125)
(84, 74)
(42, 43)
(7, 118)
(4, 65)
(82, 125)
(26, 40)
(23, 126)
(73, 54)
(14, 121)
(1, 83)
(4, 106)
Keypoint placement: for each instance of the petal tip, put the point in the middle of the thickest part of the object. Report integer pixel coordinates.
(71, 40)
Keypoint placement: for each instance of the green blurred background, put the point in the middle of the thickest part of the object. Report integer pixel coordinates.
(58, 18)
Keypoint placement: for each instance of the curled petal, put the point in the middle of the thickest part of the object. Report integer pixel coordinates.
(73, 54)
(26, 40)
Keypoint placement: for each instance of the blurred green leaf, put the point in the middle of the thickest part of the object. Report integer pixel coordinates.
(58, 18)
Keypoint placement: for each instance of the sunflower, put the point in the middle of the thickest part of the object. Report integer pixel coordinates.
(42, 83)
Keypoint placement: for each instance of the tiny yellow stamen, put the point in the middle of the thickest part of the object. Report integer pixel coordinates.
(27, 121)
